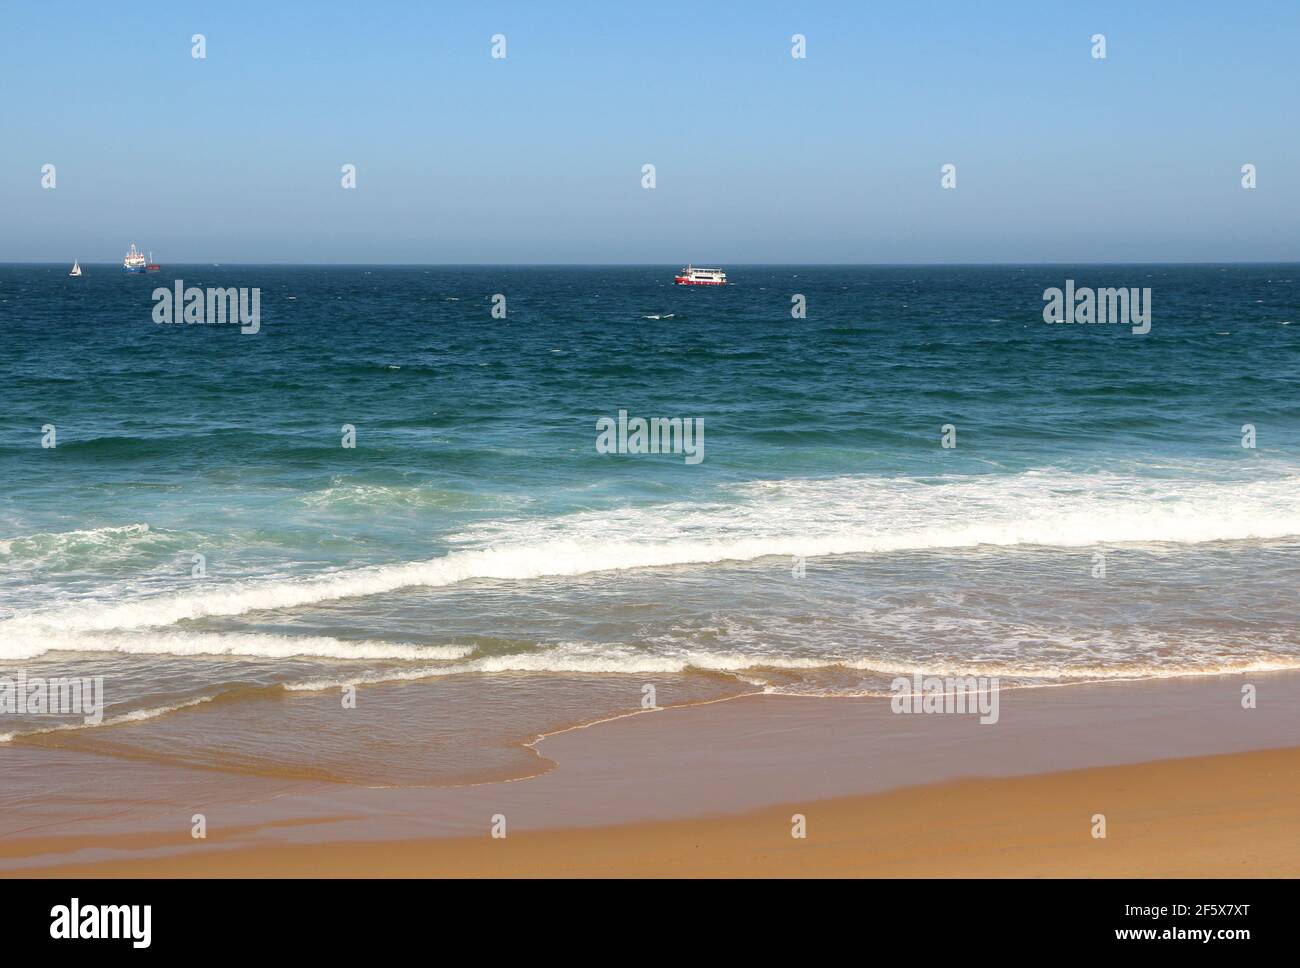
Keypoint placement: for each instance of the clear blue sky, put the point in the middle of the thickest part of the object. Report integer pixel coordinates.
(760, 158)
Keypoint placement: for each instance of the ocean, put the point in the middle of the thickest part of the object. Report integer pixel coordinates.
(482, 573)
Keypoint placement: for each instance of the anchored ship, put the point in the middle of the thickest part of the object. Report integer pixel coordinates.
(691, 276)
(134, 261)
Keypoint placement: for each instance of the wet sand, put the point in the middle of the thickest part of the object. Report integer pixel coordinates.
(1175, 766)
(1224, 816)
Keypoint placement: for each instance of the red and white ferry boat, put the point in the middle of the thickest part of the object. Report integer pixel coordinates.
(691, 276)
(134, 261)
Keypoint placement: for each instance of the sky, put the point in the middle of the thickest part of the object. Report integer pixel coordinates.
(759, 157)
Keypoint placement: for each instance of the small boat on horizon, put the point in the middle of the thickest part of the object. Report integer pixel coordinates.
(691, 276)
(76, 268)
(134, 261)
(152, 266)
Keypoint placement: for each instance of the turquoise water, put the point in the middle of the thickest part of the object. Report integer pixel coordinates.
(825, 543)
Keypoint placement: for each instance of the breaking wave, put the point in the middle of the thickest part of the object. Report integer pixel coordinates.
(134, 716)
(840, 516)
(238, 644)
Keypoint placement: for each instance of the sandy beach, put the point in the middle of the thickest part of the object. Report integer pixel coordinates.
(1189, 782)
(1223, 816)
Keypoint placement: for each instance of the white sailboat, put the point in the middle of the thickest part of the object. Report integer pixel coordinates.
(76, 268)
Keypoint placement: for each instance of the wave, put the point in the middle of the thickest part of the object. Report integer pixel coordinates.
(235, 644)
(869, 677)
(45, 544)
(800, 518)
(134, 716)
(597, 659)
(369, 497)
(613, 658)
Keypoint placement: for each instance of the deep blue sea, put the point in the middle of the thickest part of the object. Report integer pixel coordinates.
(199, 535)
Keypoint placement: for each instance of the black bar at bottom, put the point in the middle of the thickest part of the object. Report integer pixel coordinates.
(214, 917)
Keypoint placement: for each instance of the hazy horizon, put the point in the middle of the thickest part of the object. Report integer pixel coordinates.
(760, 158)
(698, 264)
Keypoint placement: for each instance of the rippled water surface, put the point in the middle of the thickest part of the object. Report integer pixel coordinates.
(484, 574)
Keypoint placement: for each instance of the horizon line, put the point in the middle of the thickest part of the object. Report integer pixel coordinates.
(637, 265)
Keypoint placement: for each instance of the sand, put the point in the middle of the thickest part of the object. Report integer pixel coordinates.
(1223, 816)
(1189, 782)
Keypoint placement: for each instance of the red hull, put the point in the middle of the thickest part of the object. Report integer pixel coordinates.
(683, 281)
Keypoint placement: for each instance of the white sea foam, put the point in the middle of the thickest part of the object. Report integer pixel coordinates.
(48, 543)
(250, 645)
(579, 658)
(134, 716)
(813, 518)
(344, 496)
(606, 659)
